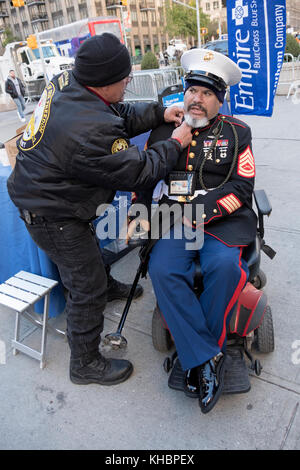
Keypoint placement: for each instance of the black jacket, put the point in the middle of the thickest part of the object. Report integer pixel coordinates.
(11, 89)
(75, 152)
(228, 213)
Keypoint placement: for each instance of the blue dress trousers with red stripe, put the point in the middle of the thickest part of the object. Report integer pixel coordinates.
(198, 325)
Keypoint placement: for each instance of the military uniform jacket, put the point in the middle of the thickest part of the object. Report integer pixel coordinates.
(228, 213)
(75, 152)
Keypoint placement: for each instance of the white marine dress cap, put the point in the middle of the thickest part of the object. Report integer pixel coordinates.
(210, 67)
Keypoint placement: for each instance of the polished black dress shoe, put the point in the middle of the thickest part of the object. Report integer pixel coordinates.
(117, 290)
(191, 383)
(211, 382)
(94, 368)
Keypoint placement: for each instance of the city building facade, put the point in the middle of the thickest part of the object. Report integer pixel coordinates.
(144, 21)
(217, 11)
(293, 15)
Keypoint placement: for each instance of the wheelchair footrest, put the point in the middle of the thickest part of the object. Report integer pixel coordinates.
(236, 378)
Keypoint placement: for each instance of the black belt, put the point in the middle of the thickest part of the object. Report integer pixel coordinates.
(33, 219)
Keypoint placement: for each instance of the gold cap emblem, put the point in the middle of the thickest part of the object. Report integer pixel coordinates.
(208, 56)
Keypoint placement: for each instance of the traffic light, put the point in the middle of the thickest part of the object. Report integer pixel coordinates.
(32, 42)
(17, 3)
(124, 3)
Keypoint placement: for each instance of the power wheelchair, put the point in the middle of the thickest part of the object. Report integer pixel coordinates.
(251, 324)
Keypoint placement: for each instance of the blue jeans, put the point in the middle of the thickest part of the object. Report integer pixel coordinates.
(198, 325)
(20, 102)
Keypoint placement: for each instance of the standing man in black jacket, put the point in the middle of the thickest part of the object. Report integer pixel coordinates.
(74, 154)
(16, 89)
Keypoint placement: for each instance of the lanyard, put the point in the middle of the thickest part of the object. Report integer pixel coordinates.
(217, 132)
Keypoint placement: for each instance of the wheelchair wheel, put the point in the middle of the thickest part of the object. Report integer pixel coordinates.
(167, 365)
(260, 280)
(264, 334)
(257, 367)
(161, 337)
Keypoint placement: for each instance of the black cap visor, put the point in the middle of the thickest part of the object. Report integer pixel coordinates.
(205, 77)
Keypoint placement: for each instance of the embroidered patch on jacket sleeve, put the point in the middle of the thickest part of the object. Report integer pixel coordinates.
(230, 202)
(246, 164)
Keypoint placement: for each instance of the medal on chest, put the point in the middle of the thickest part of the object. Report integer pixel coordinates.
(219, 152)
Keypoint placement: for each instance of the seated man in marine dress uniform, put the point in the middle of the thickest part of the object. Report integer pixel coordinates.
(219, 168)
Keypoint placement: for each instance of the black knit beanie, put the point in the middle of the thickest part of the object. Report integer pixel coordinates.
(101, 60)
(220, 94)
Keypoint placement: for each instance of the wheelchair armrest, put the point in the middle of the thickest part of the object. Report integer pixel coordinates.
(262, 202)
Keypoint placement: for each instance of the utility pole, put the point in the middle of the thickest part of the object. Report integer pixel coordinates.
(198, 17)
(198, 23)
(120, 4)
(123, 26)
(36, 32)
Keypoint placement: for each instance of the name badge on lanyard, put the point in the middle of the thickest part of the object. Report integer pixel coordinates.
(182, 183)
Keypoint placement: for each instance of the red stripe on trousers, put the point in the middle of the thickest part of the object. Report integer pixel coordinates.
(233, 300)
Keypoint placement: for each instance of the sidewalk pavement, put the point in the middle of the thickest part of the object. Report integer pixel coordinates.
(6, 103)
(42, 409)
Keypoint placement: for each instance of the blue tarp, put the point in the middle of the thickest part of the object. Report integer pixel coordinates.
(18, 252)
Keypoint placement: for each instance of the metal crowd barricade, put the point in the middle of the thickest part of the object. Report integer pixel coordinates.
(141, 88)
(289, 74)
(34, 89)
(146, 84)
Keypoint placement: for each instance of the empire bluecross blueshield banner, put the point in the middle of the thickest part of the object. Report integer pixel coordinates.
(256, 42)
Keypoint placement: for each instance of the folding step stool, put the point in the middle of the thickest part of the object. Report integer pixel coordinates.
(20, 293)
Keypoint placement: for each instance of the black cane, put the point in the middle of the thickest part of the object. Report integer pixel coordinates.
(116, 340)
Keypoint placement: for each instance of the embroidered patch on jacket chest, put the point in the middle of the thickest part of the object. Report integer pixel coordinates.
(36, 127)
(118, 145)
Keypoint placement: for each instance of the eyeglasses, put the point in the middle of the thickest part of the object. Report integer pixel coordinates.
(129, 78)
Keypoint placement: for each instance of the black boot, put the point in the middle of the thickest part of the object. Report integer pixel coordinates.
(211, 382)
(117, 290)
(94, 368)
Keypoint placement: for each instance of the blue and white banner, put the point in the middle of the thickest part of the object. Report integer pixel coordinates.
(256, 42)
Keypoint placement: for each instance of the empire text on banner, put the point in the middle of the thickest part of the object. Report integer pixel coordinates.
(256, 42)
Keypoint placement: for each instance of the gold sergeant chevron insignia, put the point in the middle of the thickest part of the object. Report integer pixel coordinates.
(230, 202)
(246, 164)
